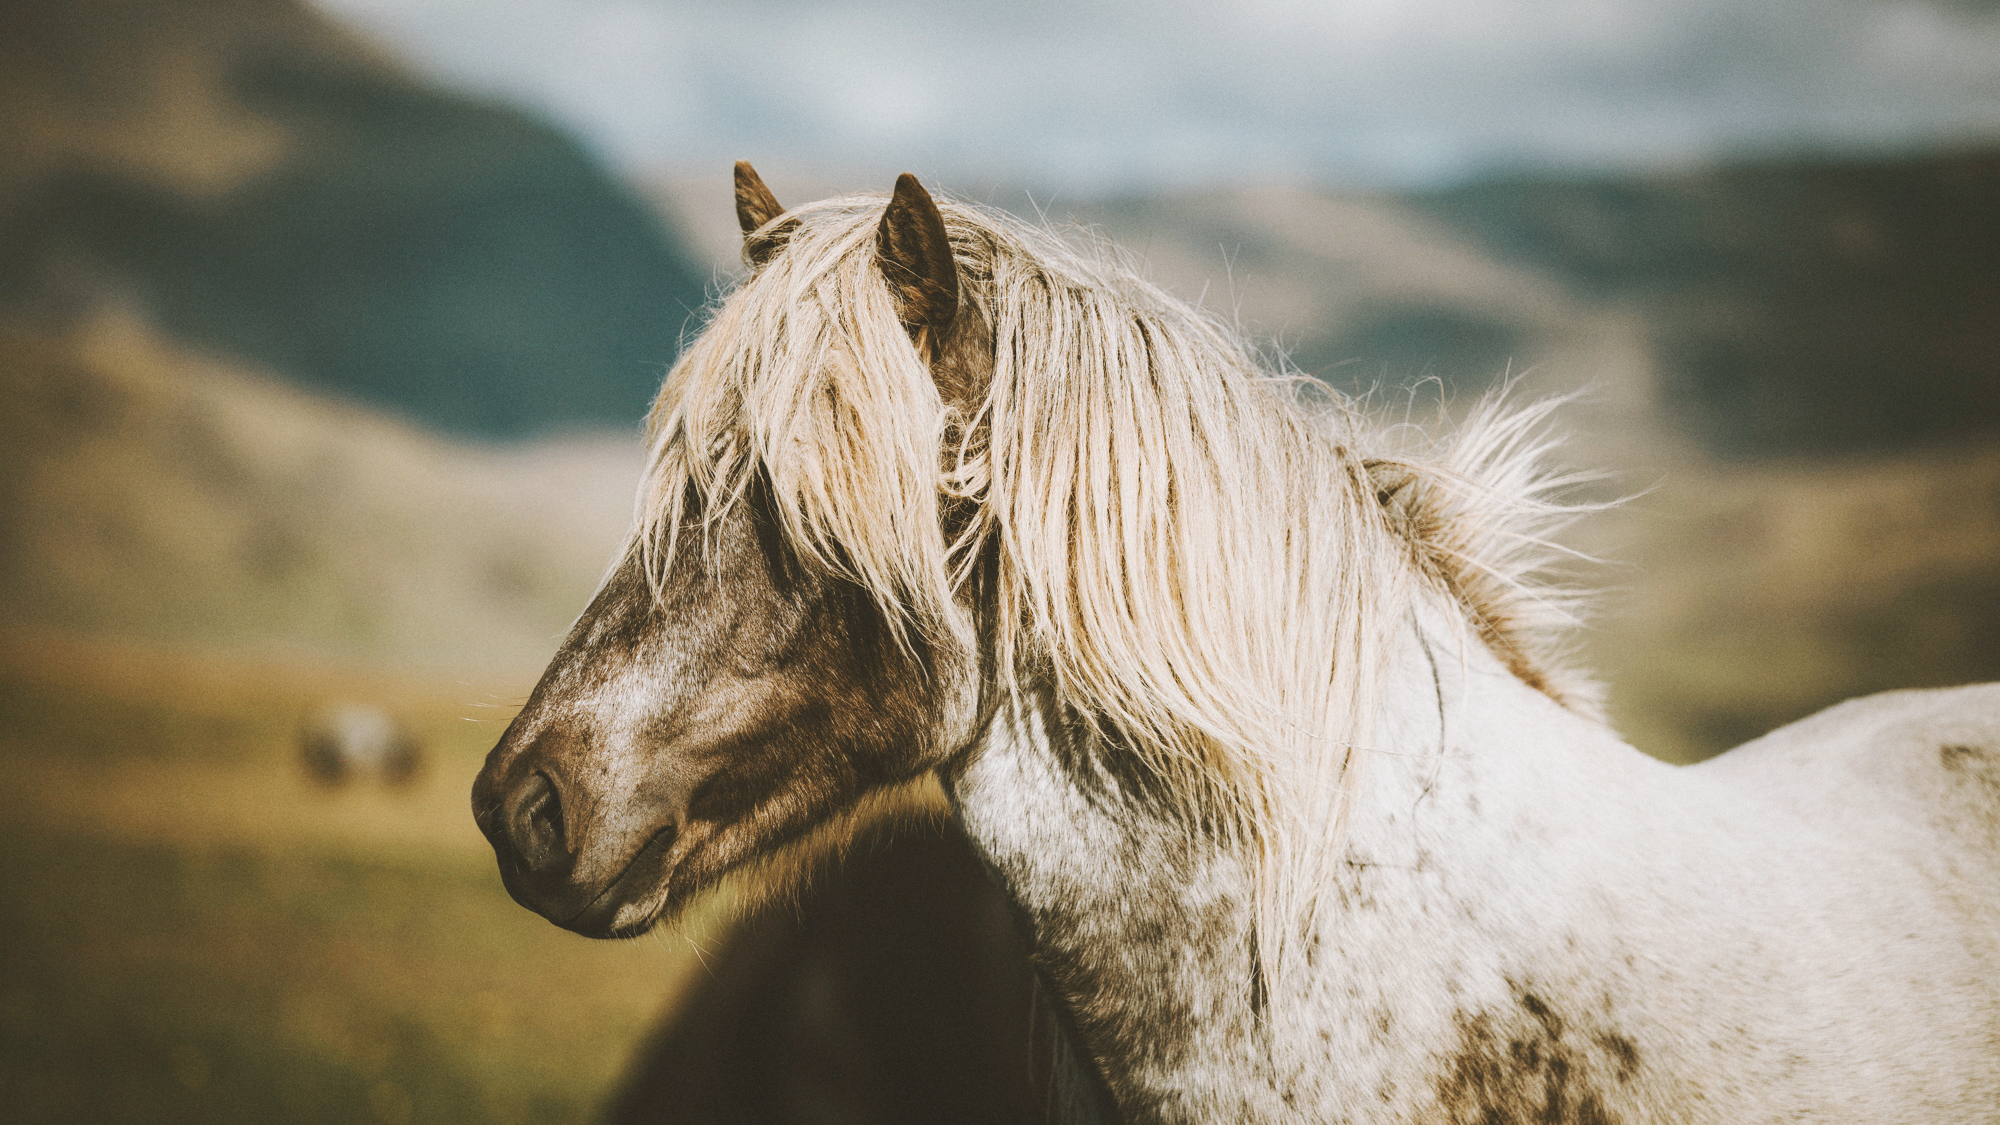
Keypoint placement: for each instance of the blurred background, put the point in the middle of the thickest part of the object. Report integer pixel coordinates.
(326, 329)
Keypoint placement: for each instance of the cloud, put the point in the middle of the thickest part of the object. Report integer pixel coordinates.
(1106, 94)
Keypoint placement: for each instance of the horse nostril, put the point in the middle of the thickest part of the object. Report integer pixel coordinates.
(539, 825)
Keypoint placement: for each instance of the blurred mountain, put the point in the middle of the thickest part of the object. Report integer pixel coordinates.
(263, 186)
(150, 492)
(1796, 308)
(1783, 309)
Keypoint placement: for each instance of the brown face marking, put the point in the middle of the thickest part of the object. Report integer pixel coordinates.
(673, 738)
(1531, 1065)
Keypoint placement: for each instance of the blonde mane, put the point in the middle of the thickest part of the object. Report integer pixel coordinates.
(1202, 555)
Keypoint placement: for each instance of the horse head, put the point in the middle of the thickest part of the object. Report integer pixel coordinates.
(717, 701)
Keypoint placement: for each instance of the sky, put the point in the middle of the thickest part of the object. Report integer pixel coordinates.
(1119, 95)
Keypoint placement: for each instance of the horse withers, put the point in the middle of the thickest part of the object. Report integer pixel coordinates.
(1254, 716)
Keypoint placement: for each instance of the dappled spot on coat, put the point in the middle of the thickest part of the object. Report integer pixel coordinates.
(1528, 1064)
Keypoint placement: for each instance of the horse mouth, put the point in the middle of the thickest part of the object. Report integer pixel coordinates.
(632, 901)
(675, 864)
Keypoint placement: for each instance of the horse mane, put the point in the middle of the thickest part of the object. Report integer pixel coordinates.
(1190, 547)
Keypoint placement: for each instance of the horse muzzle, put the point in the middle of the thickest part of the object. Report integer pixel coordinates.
(598, 876)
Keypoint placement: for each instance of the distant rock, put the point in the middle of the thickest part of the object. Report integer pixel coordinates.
(348, 742)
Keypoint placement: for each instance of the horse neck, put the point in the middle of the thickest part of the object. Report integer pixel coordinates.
(1149, 935)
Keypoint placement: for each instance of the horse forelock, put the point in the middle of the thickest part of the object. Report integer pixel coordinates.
(1188, 549)
(804, 383)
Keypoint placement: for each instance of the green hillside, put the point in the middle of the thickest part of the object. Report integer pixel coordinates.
(266, 189)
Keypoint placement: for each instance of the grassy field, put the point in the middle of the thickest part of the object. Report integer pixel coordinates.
(191, 930)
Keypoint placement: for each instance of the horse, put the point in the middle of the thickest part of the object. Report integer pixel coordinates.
(1255, 710)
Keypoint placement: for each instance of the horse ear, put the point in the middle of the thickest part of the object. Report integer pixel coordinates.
(916, 261)
(755, 208)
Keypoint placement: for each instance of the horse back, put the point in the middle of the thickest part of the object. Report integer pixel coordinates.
(1920, 768)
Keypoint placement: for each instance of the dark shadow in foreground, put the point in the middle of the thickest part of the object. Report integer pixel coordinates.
(897, 989)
